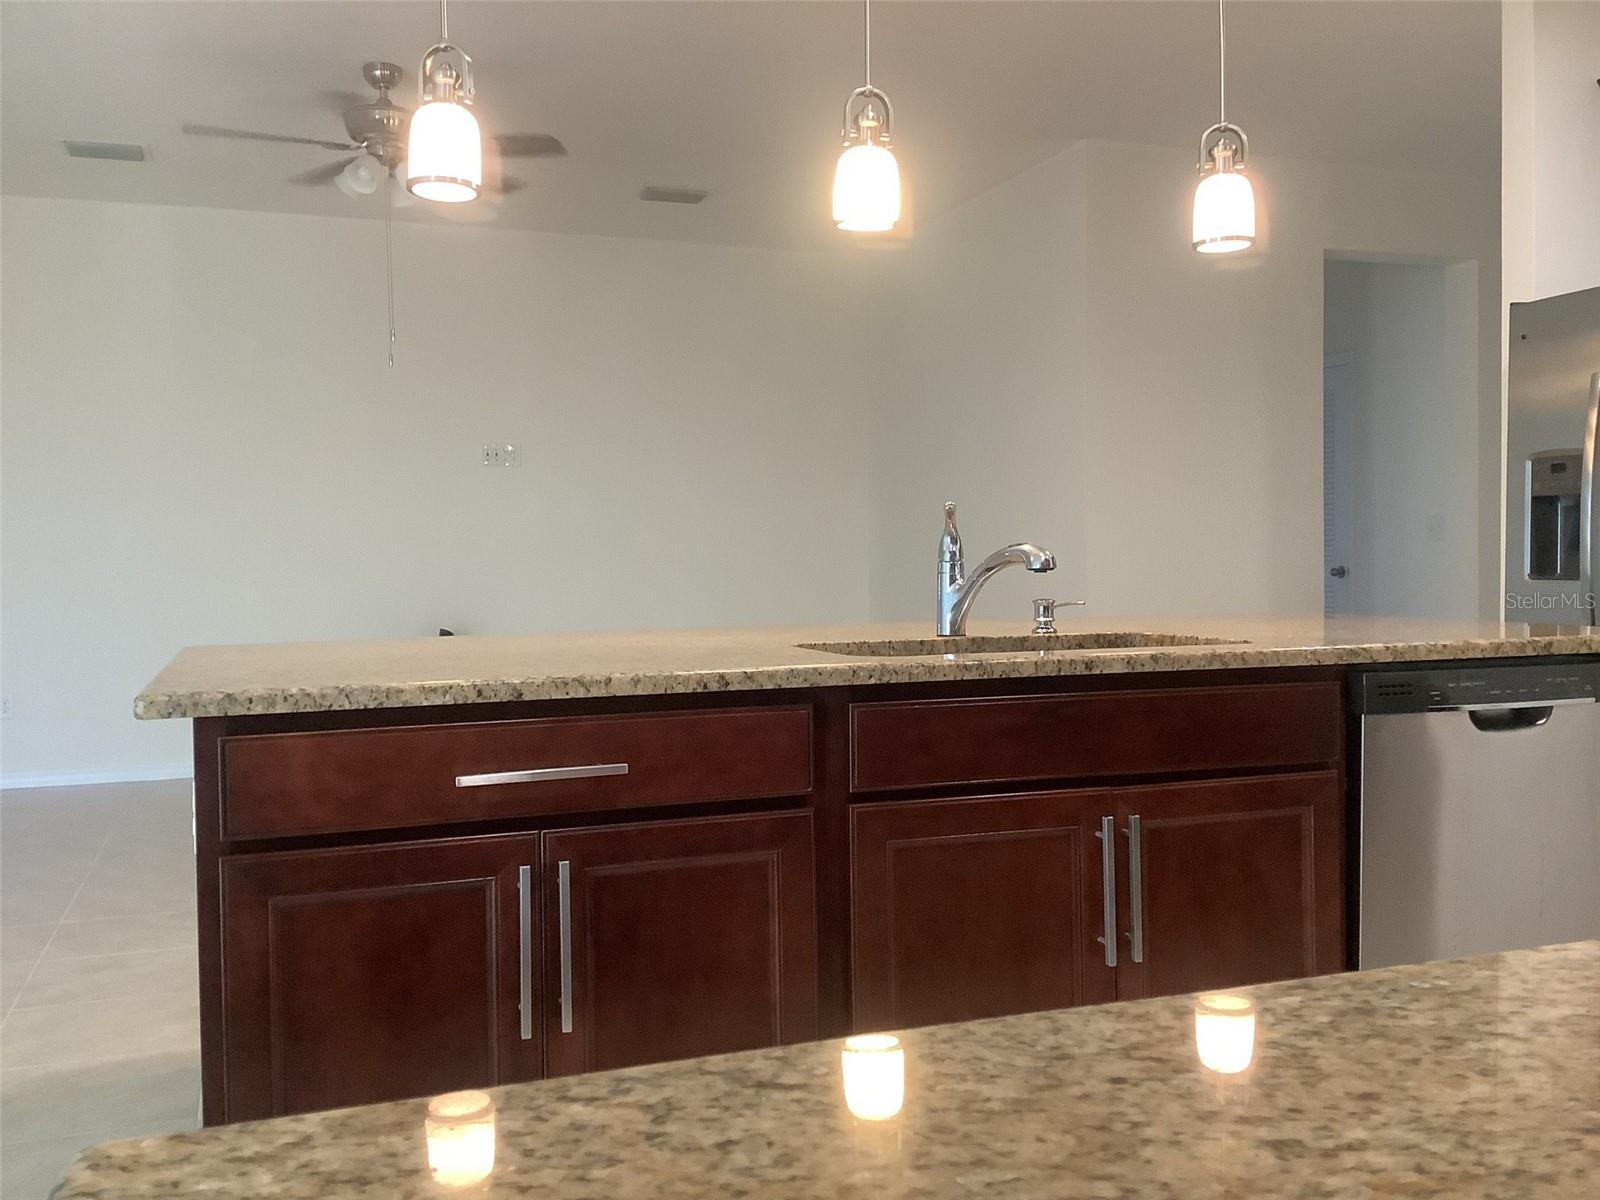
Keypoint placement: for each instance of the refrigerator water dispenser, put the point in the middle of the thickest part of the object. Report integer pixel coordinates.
(1554, 514)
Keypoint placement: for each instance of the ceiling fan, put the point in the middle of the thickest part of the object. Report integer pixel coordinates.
(377, 138)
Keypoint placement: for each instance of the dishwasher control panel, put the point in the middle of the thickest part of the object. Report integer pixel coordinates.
(1447, 688)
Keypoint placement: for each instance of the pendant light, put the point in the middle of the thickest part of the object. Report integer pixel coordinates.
(866, 183)
(1224, 202)
(444, 153)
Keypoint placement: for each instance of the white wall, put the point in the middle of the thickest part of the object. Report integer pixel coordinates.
(1408, 434)
(1551, 146)
(202, 443)
(981, 393)
(1162, 424)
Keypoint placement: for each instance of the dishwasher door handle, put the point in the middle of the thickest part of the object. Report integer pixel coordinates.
(1525, 714)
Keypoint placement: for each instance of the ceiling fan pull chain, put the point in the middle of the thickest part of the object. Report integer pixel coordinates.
(388, 258)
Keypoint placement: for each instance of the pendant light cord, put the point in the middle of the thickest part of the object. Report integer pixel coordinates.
(388, 258)
(444, 22)
(867, 22)
(1222, 61)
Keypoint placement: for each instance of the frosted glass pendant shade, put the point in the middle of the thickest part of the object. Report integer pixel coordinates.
(1224, 213)
(444, 153)
(866, 189)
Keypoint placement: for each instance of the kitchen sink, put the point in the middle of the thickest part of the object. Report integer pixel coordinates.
(1013, 644)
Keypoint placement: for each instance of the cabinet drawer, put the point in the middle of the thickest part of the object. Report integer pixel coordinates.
(909, 744)
(301, 783)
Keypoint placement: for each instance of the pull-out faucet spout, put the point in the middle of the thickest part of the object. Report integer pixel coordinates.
(956, 590)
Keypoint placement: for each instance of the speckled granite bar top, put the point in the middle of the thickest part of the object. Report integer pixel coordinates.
(206, 681)
(1475, 1078)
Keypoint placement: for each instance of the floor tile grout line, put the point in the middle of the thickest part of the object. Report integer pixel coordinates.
(45, 949)
(121, 953)
(177, 991)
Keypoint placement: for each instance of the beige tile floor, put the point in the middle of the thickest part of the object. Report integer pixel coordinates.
(99, 1034)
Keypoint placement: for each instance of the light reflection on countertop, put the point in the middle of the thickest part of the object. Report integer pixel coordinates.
(1476, 1078)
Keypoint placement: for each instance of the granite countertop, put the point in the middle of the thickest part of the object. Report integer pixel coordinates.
(209, 681)
(1474, 1078)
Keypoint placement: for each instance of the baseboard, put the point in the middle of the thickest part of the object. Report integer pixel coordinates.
(11, 781)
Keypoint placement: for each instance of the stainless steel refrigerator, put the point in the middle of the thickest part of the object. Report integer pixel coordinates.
(1553, 407)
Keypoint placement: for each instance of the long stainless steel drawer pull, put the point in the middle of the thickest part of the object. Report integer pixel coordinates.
(543, 775)
(525, 949)
(1136, 885)
(564, 915)
(1108, 885)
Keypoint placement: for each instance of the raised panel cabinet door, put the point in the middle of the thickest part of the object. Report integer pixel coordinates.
(1231, 882)
(974, 908)
(673, 939)
(360, 975)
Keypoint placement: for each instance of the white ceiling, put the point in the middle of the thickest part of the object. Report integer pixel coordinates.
(741, 97)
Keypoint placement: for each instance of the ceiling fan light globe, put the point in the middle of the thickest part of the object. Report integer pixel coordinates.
(360, 177)
(444, 153)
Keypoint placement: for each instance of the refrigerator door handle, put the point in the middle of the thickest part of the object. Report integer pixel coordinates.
(1589, 555)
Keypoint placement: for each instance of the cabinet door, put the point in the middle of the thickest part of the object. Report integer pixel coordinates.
(1231, 883)
(355, 976)
(976, 908)
(678, 938)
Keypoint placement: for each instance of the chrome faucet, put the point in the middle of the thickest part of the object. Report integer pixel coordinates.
(957, 590)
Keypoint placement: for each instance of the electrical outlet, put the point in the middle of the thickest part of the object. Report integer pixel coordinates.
(501, 455)
(5, 708)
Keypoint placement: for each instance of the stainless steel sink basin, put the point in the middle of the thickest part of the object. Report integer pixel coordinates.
(1007, 644)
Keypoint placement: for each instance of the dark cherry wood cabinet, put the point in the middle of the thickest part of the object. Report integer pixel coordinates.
(359, 975)
(976, 908)
(286, 784)
(678, 938)
(902, 744)
(1240, 881)
(401, 902)
(980, 907)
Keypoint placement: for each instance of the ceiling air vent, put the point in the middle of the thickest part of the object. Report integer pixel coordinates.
(116, 151)
(666, 195)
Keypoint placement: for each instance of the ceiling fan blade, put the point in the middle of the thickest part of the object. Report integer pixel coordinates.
(325, 174)
(247, 135)
(529, 145)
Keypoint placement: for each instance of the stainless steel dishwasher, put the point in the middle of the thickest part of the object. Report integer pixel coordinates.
(1479, 822)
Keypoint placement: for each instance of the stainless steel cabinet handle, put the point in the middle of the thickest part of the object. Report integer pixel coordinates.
(1589, 498)
(1136, 885)
(1108, 887)
(564, 916)
(525, 949)
(542, 775)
